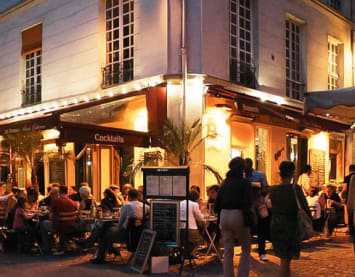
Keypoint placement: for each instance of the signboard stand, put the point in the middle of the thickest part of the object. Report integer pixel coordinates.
(170, 185)
(142, 253)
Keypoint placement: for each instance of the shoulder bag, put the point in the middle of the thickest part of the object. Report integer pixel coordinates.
(304, 222)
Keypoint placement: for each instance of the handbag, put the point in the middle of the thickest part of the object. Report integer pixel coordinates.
(304, 229)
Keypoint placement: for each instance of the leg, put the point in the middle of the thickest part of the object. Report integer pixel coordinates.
(285, 268)
(245, 242)
(45, 227)
(228, 241)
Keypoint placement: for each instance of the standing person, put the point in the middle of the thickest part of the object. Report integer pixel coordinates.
(304, 180)
(345, 190)
(284, 217)
(259, 192)
(234, 198)
(350, 204)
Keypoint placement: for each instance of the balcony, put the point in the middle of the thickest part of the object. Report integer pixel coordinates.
(116, 74)
(242, 73)
(335, 4)
(31, 96)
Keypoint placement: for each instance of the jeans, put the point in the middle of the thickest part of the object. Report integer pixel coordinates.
(233, 227)
(45, 227)
(111, 235)
(263, 232)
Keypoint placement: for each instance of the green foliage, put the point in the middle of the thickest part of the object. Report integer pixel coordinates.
(24, 144)
(180, 140)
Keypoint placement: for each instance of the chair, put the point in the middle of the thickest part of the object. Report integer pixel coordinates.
(134, 233)
(67, 217)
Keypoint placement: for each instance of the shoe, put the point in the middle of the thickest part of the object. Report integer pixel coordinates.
(263, 258)
(97, 261)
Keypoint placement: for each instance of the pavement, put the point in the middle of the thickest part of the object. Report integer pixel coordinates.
(320, 257)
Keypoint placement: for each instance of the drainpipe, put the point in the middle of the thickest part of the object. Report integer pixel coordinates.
(183, 58)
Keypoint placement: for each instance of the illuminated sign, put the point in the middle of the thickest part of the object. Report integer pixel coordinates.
(108, 138)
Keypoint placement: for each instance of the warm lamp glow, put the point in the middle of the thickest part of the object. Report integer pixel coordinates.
(320, 141)
(51, 147)
(50, 134)
(217, 127)
(141, 122)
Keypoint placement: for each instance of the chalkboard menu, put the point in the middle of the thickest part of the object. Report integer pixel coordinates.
(165, 219)
(142, 253)
(57, 171)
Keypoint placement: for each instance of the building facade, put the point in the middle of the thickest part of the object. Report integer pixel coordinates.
(98, 78)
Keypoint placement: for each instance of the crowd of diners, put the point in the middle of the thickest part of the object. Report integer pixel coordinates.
(236, 203)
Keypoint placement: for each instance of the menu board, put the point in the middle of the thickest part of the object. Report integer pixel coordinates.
(317, 162)
(167, 183)
(142, 253)
(165, 219)
(57, 171)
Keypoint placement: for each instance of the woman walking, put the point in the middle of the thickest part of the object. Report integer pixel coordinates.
(233, 203)
(284, 217)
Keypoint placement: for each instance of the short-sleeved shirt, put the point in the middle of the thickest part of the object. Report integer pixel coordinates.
(18, 219)
(63, 204)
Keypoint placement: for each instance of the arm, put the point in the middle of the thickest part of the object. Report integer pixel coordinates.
(263, 180)
(217, 204)
(123, 217)
(303, 201)
(197, 213)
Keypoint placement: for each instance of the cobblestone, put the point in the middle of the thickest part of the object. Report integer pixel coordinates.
(320, 257)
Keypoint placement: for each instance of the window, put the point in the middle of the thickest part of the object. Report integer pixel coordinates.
(119, 42)
(332, 65)
(32, 54)
(294, 86)
(335, 4)
(241, 69)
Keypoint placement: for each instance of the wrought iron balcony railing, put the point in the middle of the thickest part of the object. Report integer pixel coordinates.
(118, 73)
(242, 73)
(31, 96)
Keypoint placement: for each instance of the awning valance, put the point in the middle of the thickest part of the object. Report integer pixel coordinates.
(337, 104)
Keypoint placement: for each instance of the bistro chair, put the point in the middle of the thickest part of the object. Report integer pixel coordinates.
(65, 217)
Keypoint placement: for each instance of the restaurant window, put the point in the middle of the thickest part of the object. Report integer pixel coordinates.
(119, 42)
(261, 149)
(333, 65)
(242, 70)
(294, 86)
(296, 152)
(32, 55)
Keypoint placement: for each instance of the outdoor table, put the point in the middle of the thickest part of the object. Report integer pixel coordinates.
(212, 247)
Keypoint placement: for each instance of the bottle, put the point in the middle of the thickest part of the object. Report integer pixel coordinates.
(93, 210)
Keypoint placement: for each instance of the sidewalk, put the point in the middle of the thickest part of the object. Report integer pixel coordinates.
(320, 257)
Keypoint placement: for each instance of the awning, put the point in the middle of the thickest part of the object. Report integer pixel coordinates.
(336, 104)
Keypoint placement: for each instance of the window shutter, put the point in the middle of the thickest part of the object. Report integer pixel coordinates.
(32, 39)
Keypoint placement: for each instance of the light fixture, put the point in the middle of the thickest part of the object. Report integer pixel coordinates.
(327, 114)
(65, 103)
(124, 91)
(110, 93)
(2, 117)
(98, 96)
(86, 99)
(224, 107)
(75, 101)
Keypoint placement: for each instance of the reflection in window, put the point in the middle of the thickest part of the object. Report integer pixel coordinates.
(261, 141)
(128, 113)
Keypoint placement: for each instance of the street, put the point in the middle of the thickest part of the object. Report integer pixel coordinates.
(320, 257)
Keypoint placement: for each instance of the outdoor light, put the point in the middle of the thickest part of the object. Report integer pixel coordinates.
(75, 101)
(86, 99)
(98, 96)
(2, 117)
(65, 103)
(55, 106)
(124, 91)
(110, 93)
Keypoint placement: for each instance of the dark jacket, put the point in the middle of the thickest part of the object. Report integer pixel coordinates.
(235, 193)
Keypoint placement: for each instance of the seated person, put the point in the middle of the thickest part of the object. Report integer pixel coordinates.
(10, 207)
(334, 210)
(32, 198)
(313, 203)
(194, 216)
(109, 201)
(76, 197)
(125, 190)
(119, 232)
(51, 189)
(19, 223)
(59, 205)
(116, 190)
(86, 199)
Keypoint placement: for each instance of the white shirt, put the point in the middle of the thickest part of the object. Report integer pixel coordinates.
(304, 181)
(132, 209)
(3, 198)
(314, 202)
(194, 214)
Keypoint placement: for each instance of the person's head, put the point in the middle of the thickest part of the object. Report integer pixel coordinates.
(212, 191)
(84, 184)
(313, 192)
(132, 195)
(196, 188)
(85, 192)
(72, 190)
(63, 191)
(2, 188)
(21, 194)
(236, 166)
(330, 190)
(15, 190)
(307, 169)
(21, 201)
(109, 194)
(126, 189)
(194, 195)
(352, 168)
(248, 163)
(32, 194)
(287, 170)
